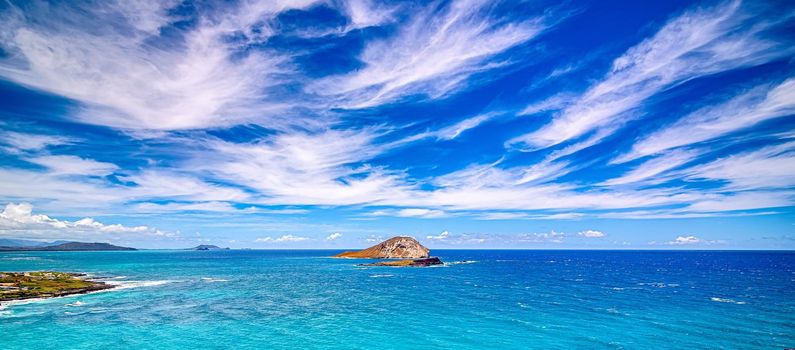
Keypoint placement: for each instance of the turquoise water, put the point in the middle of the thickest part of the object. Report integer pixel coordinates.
(505, 299)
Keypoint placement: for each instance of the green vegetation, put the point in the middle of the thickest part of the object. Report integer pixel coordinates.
(44, 284)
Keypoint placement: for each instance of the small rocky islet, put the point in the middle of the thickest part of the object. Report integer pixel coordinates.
(45, 284)
(410, 252)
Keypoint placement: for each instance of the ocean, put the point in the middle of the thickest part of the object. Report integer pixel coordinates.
(482, 299)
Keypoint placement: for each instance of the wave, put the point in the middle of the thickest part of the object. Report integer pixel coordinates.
(76, 304)
(462, 262)
(138, 284)
(118, 286)
(21, 258)
(381, 276)
(211, 280)
(727, 300)
(659, 284)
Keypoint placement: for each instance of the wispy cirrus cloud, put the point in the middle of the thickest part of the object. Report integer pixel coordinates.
(325, 167)
(697, 43)
(743, 110)
(410, 213)
(431, 55)
(771, 167)
(651, 171)
(127, 75)
(18, 142)
(73, 165)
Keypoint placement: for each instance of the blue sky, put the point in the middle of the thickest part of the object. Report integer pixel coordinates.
(335, 124)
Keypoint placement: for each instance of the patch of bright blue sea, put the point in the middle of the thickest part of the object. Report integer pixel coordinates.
(502, 299)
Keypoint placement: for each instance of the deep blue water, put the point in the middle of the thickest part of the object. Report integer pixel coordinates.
(505, 299)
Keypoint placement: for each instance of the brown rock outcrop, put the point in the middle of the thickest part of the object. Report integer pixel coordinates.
(393, 248)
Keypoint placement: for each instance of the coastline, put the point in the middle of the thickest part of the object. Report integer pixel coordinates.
(39, 278)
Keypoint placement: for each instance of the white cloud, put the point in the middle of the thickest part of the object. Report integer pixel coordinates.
(18, 219)
(282, 239)
(365, 13)
(651, 170)
(420, 213)
(546, 237)
(129, 76)
(502, 216)
(373, 239)
(432, 54)
(697, 43)
(178, 207)
(17, 142)
(334, 236)
(591, 234)
(442, 236)
(455, 130)
(551, 103)
(212, 206)
(304, 168)
(168, 184)
(71, 165)
(409, 213)
(742, 111)
(687, 240)
(711, 203)
(771, 167)
(57, 191)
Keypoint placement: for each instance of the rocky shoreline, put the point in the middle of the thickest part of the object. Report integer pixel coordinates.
(408, 263)
(46, 284)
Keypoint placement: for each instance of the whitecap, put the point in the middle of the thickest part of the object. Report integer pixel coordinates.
(727, 300)
(76, 304)
(211, 280)
(6, 304)
(138, 284)
(381, 276)
(462, 262)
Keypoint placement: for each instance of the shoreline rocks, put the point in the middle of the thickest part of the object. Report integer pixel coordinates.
(45, 284)
(408, 263)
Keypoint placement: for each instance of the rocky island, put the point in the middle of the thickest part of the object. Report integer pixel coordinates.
(408, 249)
(45, 284)
(207, 247)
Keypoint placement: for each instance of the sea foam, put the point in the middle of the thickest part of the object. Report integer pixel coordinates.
(727, 300)
(138, 284)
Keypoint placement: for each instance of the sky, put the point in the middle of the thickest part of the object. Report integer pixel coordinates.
(336, 124)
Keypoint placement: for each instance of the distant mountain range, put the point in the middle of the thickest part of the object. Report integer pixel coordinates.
(28, 245)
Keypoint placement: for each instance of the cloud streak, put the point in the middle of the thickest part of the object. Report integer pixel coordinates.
(699, 42)
(431, 55)
(128, 75)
